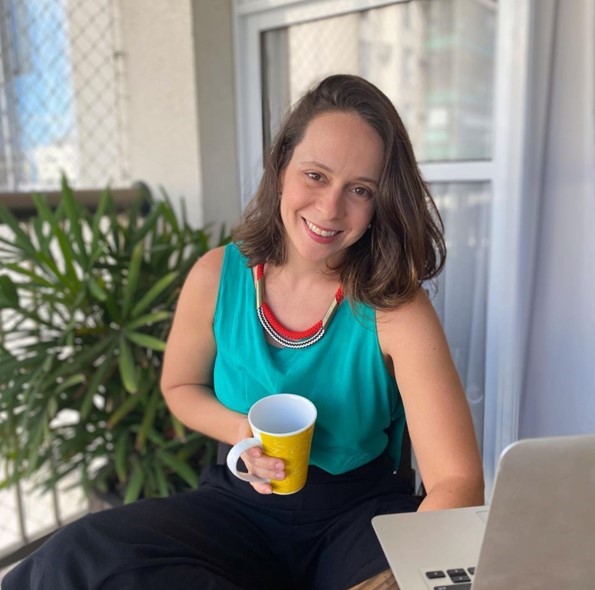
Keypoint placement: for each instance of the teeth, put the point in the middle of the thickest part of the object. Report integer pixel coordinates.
(320, 232)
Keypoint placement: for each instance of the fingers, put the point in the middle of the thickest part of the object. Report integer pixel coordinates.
(262, 488)
(260, 464)
(263, 466)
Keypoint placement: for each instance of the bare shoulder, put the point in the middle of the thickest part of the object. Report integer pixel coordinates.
(416, 313)
(206, 272)
(412, 333)
(200, 290)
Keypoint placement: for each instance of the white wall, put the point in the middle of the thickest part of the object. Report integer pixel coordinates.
(560, 376)
(212, 26)
(161, 111)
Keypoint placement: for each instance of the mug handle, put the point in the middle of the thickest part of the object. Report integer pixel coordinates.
(234, 455)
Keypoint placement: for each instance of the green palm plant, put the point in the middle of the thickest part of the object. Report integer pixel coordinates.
(86, 302)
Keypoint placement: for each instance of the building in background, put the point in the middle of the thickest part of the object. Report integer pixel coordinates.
(60, 93)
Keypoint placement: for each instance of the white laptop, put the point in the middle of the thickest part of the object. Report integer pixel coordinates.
(538, 532)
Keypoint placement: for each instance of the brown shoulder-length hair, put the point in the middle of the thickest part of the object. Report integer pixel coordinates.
(404, 245)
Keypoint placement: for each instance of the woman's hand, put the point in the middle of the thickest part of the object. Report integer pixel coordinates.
(260, 464)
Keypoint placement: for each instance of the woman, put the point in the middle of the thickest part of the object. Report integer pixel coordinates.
(342, 228)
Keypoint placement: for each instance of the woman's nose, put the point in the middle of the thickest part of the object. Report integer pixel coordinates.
(331, 202)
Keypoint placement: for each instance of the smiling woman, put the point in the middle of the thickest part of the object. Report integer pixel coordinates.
(315, 140)
(320, 296)
(327, 189)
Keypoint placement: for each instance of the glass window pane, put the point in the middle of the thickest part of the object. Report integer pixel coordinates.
(460, 292)
(434, 60)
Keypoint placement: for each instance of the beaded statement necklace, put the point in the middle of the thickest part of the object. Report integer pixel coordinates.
(278, 332)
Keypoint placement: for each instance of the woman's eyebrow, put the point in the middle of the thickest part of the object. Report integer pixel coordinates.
(325, 167)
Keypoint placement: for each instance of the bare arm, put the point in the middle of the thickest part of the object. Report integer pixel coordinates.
(187, 377)
(437, 412)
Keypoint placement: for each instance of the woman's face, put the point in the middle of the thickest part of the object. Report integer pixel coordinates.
(328, 187)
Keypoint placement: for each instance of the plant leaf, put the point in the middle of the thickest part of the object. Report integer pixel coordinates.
(182, 469)
(98, 377)
(135, 483)
(84, 359)
(104, 199)
(9, 295)
(153, 293)
(178, 428)
(148, 419)
(150, 222)
(21, 239)
(146, 341)
(148, 320)
(74, 216)
(129, 403)
(120, 456)
(95, 289)
(132, 278)
(35, 278)
(127, 367)
(161, 480)
(70, 381)
(65, 248)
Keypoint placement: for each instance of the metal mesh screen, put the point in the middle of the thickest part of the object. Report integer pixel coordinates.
(61, 90)
(433, 59)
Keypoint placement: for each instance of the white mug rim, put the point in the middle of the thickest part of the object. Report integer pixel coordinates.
(301, 399)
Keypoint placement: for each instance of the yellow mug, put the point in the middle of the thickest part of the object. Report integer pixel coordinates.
(283, 425)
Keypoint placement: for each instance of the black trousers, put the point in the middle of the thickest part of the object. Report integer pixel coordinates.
(226, 536)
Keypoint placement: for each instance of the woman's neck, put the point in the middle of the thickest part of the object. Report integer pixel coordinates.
(301, 276)
(297, 271)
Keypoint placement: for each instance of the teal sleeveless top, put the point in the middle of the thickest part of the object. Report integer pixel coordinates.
(343, 374)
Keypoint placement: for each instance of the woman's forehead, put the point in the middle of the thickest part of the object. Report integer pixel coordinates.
(338, 140)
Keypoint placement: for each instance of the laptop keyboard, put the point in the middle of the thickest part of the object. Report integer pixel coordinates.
(456, 579)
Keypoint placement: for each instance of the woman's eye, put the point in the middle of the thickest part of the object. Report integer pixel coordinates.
(362, 191)
(314, 176)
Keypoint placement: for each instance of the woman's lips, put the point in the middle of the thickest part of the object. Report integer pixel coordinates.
(320, 234)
